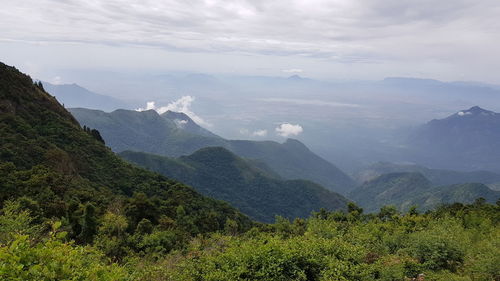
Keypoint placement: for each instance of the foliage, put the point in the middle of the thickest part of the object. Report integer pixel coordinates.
(65, 173)
(404, 190)
(147, 131)
(218, 173)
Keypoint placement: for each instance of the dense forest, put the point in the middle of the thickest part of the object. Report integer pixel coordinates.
(73, 210)
(220, 174)
(454, 242)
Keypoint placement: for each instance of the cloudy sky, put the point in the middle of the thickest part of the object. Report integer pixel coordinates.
(327, 39)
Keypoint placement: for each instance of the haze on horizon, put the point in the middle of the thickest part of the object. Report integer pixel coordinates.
(446, 40)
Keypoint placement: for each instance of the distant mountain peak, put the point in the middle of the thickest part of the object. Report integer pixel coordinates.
(295, 77)
(184, 122)
(172, 115)
(475, 111)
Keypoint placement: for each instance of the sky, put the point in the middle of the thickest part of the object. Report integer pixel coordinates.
(326, 39)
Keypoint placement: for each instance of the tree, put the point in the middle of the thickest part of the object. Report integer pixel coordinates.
(89, 224)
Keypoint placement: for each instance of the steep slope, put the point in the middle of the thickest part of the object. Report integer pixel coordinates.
(73, 95)
(145, 131)
(466, 140)
(404, 190)
(436, 176)
(149, 132)
(59, 170)
(216, 172)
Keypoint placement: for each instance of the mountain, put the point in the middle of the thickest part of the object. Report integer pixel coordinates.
(389, 189)
(182, 121)
(144, 131)
(218, 173)
(404, 190)
(466, 140)
(463, 193)
(59, 170)
(73, 95)
(436, 176)
(166, 135)
(293, 160)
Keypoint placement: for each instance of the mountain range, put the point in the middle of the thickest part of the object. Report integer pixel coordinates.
(175, 134)
(460, 148)
(253, 189)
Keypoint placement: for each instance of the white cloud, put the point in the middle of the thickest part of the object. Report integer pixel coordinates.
(181, 105)
(57, 80)
(256, 133)
(260, 133)
(180, 123)
(287, 130)
(293, 70)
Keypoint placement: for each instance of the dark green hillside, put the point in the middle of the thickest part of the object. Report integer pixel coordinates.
(216, 172)
(404, 190)
(143, 131)
(389, 189)
(293, 160)
(463, 193)
(174, 134)
(60, 171)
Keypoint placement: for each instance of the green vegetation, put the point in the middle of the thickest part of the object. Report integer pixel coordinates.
(454, 242)
(404, 190)
(218, 173)
(59, 171)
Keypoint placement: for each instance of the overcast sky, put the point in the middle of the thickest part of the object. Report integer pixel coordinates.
(328, 39)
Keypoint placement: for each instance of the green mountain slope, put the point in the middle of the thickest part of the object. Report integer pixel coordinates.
(165, 135)
(436, 176)
(143, 131)
(59, 169)
(463, 193)
(404, 190)
(216, 172)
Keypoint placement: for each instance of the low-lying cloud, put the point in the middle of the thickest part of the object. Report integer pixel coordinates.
(256, 133)
(293, 70)
(260, 133)
(288, 130)
(181, 105)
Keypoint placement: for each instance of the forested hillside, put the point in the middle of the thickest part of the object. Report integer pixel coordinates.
(173, 134)
(218, 173)
(405, 190)
(52, 167)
